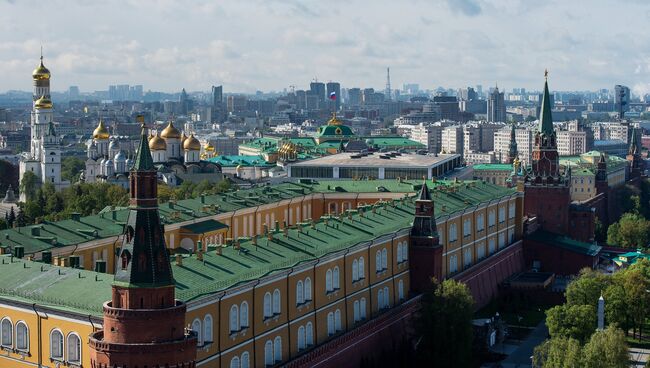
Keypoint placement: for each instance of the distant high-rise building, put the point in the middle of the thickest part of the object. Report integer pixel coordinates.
(467, 94)
(217, 95)
(183, 102)
(411, 88)
(621, 99)
(237, 103)
(301, 101)
(136, 93)
(354, 97)
(318, 89)
(73, 93)
(496, 107)
(336, 88)
(367, 95)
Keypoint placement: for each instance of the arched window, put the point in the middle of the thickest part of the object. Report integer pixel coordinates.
(328, 280)
(356, 313)
(380, 299)
(399, 252)
(384, 259)
(330, 323)
(245, 360)
(22, 336)
(73, 348)
(468, 257)
(453, 233)
(300, 298)
(307, 289)
(405, 251)
(268, 353)
(378, 261)
(310, 334)
(480, 222)
(335, 278)
(362, 308)
(243, 315)
(276, 301)
(235, 363)
(268, 312)
(400, 289)
(491, 218)
(277, 349)
(301, 337)
(491, 246)
(196, 327)
(386, 297)
(453, 264)
(362, 269)
(56, 345)
(207, 328)
(234, 318)
(355, 270)
(7, 333)
(337, 320)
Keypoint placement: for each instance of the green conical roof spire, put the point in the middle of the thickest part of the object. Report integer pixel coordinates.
(143, 160)
(545, 117)
(634, 144)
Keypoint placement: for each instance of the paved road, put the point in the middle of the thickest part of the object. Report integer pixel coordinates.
(520, 358)
(639, 357)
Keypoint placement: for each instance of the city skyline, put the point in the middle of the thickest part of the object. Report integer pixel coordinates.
(260, 45)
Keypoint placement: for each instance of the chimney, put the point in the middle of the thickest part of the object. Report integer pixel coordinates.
(100, 266)
(219, 248)
(277, 225)
(199, 246)
(255, 241)
(19, 251)
(46, 257)
(75, 216)
(236, 243)
(202, 198)
(179, 260)
(199, 254)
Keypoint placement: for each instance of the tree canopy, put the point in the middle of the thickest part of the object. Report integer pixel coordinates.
(631, 231)
(445, 326)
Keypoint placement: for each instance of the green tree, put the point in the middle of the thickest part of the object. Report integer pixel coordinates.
(571, 321)
(20, 218)
(586, 288)
(600, 231)
(3, 224)
(606, 349)
(558, 352)
(444, 324)
(630, 231)
(9, 176)
(11, 217)
(29, 184)
(71, 168)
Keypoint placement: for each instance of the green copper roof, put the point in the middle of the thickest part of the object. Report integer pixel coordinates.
(25, 281)
(143, 159)
(545, 117)
(564, 242)
(334, 131)
(240, 160)
(492, 167)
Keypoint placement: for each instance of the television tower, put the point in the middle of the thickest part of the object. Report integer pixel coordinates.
(388, 90)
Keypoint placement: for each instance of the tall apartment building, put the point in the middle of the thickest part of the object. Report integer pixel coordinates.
(523, 137)
(334, 87)
(429, 135)
(452, 139)
(217, 95)
(237, 103)
(496, 107)
(354, 97)
(621, 99)
(571, 143)
(318, 89)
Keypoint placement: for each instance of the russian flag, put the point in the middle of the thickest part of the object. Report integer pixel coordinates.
(333, 96)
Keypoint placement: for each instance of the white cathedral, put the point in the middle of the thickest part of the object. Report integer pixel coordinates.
(174, 153)
(44, 157)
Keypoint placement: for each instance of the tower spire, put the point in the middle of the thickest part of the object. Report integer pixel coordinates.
(545, 117)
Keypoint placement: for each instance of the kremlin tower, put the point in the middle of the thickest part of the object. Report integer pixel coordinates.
(425, 251)
(547, 192)
(143, 322)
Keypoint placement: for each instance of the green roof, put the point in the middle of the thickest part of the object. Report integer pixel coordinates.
(392, 142)
(565, 242)
(492, 167)
(334, 131)
(26, 281)
(243, 160)
(204, 226)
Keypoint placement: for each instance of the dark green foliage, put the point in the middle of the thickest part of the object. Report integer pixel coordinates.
(191, 190)
(444, 325)
(8, 176)
(71, 168)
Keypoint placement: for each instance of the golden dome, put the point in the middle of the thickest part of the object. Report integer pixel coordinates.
(183, 138)
(157, 144)
(43, 103)
(100, 132)
(41, 72)
(170, 132)
(209, 147)
(192, 144)
(334, 120)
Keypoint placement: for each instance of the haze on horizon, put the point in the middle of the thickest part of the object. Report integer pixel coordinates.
(267, 45)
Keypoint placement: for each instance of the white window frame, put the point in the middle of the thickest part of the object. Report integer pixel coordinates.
(378, 268)
(336, 278)
(492, 218)
(300, 290)
(18, 326)
(362, 308)
(328, 281)
(277, 349)
(233, 320)
(268, 353)
(277, 302)
(243, 315)
(355, 270)
(480, 222)
(61, 345)
(309, 334)
(362, 269)
(307, 289)
(208, 334)
(71, 349)
(245, 360)
(330, 324)
(386, 297)
(268, 308)
(338, 326)
(7, 333)
(384, 259)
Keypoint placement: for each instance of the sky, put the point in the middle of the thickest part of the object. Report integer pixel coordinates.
(270, 45)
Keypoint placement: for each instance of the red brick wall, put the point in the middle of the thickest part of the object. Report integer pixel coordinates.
(555, 259)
